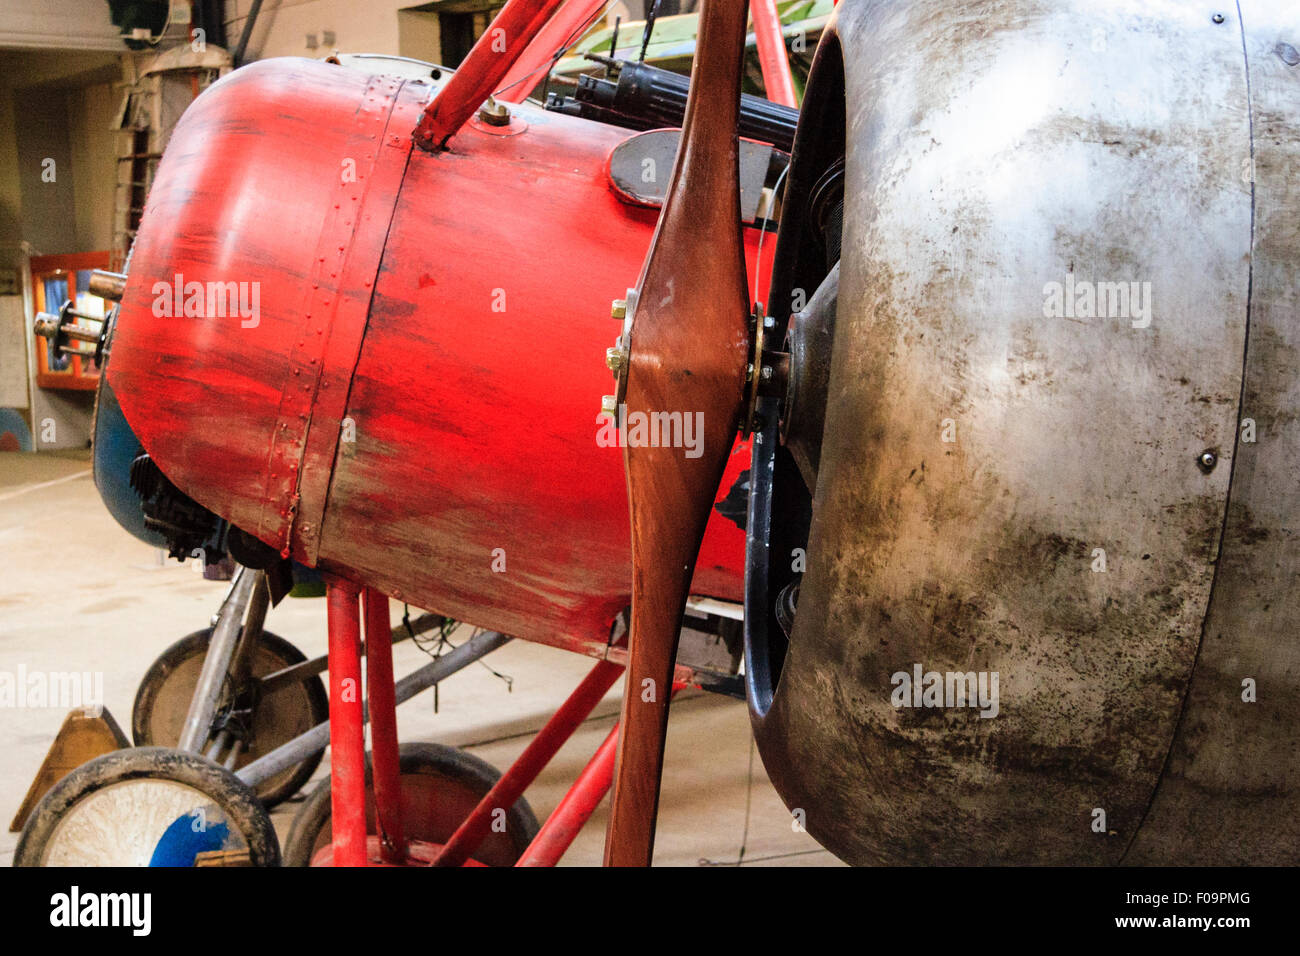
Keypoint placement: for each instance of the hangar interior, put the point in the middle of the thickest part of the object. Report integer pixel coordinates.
(700, 433)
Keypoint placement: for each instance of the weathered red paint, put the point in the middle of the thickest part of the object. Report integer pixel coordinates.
(421, 853)
(347, 733)
(379, 268)
(773, 59)
(506, 38)
(385, 760)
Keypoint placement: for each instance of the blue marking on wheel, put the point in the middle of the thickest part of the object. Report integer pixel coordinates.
(186, 838)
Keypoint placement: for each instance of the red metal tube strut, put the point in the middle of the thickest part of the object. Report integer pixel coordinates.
(384, 760)
(531, 762)
(578, 804)
(528, 69)
(772, 57)
(488, 62)
(347, 733)
(575, 809)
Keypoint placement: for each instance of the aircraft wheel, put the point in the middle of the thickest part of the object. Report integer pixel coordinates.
(440, 787)
(163, 699)
(149, 806)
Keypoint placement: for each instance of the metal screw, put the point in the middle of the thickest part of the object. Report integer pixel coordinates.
(618, 309)
(1207, 461)
(1217, 18)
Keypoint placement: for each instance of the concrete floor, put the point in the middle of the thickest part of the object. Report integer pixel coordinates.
(78, 593)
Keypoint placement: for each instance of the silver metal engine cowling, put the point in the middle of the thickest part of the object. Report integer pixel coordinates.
(1061, 448)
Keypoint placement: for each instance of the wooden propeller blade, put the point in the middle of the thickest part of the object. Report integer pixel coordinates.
(688, 354)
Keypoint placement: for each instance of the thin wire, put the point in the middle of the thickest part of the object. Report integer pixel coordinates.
(435, 649)
(705, 861)
(649, 28)
(749, 796)
(504, 678)
(166, 26)
(758, 259)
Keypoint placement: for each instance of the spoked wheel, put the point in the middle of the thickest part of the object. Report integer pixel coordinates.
(149, 806)
(163, 701)
(440, 787)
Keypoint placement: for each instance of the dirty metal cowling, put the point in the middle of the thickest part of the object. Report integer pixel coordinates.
(1015, 481)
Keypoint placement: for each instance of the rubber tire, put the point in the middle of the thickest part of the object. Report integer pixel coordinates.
(236, 799)
(272, 653)
(469, 773)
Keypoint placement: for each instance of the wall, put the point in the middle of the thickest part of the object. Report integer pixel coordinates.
(419, 35)
(45, 170)
(404, 27)
(57, 24)
(14, 367)
(91, 110)
(11, 230)
(53, 105)
(283, 25)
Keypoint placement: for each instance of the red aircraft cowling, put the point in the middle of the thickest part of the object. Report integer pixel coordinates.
(409, 395)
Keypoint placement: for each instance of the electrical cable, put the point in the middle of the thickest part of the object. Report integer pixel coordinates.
(758, 258)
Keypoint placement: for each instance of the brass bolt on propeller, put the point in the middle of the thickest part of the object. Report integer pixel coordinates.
(767, 371)
(619, 355)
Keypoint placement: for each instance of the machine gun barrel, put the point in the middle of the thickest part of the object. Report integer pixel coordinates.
(651, 97)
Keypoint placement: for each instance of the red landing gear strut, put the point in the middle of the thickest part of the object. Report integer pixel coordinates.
(351, 846)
